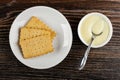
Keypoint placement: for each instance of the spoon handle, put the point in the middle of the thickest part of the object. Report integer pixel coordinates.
(83, 62)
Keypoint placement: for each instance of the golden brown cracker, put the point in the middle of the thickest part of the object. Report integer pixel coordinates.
(36, 46)
(26, 33)
(35, 23)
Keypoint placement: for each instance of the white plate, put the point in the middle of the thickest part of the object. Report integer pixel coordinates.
(62, 42)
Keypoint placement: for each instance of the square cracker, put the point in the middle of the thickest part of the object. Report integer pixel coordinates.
(26, 33)
(35, 23)
(36, 46)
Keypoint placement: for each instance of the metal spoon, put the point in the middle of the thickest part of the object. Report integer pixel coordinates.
(88, 50)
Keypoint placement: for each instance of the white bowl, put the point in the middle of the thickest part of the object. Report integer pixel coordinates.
(106, 19)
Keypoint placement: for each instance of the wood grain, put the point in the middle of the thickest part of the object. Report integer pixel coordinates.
(102, 64)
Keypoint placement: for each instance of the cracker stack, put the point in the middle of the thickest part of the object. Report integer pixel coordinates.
(36, 38)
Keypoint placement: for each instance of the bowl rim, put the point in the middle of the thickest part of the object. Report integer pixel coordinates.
(106, 19)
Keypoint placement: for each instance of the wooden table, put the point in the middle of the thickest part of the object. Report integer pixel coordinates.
(102, 64)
